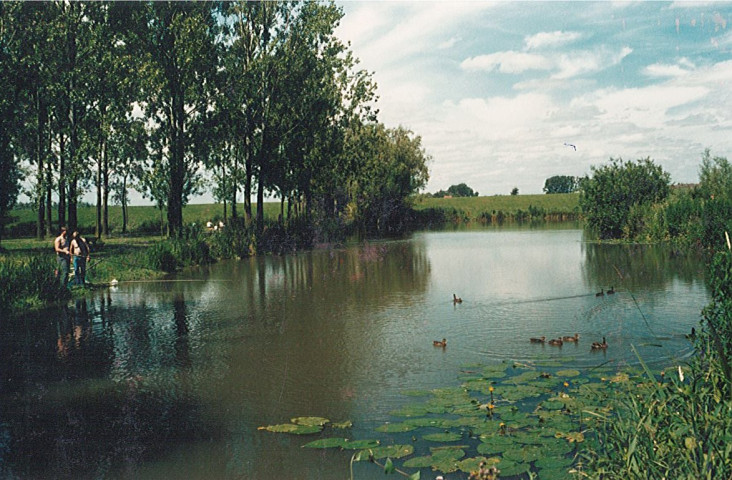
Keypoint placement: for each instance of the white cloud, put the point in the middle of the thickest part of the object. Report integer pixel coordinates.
(550, 39)
(584, 62)
(507, 62)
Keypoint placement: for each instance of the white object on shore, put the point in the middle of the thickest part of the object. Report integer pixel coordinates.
(114, 282)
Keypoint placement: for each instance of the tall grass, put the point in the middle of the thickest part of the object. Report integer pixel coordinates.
(28, 281)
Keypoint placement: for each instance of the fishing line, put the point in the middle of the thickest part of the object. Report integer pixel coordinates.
(636, 304)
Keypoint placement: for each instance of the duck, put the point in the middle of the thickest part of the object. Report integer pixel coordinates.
(456, 299)
(601, 293)
(556, 341)
(438, 343)
(599, 346)
(538, 340)
(611, 291)
(692, 335)
(571, 339)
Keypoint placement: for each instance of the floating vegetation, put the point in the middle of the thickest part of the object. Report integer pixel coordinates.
(511, 416)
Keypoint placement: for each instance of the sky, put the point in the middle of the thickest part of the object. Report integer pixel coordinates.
(496, 90)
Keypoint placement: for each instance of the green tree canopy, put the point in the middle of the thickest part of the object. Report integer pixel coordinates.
(561, 184)
(460, 190)
(614, 189)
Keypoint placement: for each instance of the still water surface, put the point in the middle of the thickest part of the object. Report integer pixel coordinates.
(171, 379)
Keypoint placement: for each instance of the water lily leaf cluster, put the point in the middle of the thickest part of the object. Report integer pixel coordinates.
(509, 415)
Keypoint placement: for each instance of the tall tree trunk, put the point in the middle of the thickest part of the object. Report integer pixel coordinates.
(49, 187)
(41, 114)
(248, 172)
(234, 186)
(98, 223)
(124, 204)
(177, 167)
(62, 180)
(73, 204)
(260, 204)
(105, 191)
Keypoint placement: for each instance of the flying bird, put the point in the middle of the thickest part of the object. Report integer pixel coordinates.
(570, 145)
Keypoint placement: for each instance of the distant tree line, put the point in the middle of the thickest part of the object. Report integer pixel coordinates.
(460, 190)
(257, 98)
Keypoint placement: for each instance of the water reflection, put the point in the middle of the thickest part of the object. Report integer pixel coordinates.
(171, 379)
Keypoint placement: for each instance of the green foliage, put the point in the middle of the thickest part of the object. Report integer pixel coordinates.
(514, 191)
(614, 190)
(392, 167)
(188, 249)
(718, 314)
(29, 280)
(460, 190)
(561, 184)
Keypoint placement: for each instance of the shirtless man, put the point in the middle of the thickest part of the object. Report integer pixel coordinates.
(80, 253)
(61, 247)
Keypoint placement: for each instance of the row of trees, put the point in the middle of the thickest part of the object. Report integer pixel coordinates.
(260, 97)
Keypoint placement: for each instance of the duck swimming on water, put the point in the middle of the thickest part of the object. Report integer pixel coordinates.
(538, 340)
(438, 343)
(456, 299)
(599, 346)
(571, 339)
(556, 342)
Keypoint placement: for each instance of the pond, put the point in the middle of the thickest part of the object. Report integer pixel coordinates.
(172, 379)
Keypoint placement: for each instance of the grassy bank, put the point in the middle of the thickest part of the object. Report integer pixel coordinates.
(497, 209)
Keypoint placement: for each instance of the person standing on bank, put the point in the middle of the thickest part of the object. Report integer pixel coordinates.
(61, 247)
(80, 254)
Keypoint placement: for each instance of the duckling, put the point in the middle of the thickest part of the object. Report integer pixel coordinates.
(438, 343)
(599, 346)
(538, 340)
(571, 339)
(601, 293)
(456, 299)
(611, 291)
(556, 341)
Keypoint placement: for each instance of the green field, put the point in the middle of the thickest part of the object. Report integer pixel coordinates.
(556, 206)
(146, 219)
(140, 219)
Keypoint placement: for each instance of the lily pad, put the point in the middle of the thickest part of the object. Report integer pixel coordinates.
(360, 444)
(392, 451)
(473, 464)
(326, 443)
(552, 405)
(527, 453)
(510, 468)
(292, 428)
(568, 373)
(548, 461)
(443, 437)
(310, 421)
